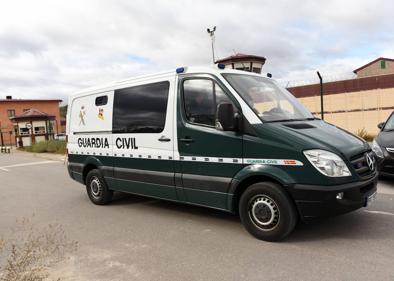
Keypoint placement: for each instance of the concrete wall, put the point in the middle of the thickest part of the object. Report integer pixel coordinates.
(354, 111)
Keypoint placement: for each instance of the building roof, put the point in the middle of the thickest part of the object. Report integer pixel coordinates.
(32, 114)
(241, 57)
(372, 62)
(30, 100)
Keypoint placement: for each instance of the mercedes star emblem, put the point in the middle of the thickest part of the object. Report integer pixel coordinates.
(370, 161)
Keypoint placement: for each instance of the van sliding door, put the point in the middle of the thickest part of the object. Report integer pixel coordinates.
(143, 139)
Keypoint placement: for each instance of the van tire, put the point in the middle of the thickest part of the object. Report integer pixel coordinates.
(97, 188)
(267, 212)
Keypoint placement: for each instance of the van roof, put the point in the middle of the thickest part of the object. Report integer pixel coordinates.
(187, 70)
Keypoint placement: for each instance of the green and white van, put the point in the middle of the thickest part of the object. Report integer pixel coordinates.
(218, 138)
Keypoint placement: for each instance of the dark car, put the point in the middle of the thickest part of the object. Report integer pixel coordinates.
(383, 146)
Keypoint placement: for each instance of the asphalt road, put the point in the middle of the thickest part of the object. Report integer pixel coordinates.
(142, 239)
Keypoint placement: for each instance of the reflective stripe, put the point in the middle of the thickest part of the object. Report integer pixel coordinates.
(276, 162)
(210, 159)
(225, 160)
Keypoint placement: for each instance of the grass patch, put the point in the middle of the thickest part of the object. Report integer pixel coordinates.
(365, 135)
(33, 251)
(51, 146)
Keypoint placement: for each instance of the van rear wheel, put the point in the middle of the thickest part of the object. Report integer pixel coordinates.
(97, 188)
(267, 212)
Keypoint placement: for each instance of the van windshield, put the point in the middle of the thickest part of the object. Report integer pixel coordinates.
(271, 103)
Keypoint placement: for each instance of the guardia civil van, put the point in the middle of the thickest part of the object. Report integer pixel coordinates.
(223, 139)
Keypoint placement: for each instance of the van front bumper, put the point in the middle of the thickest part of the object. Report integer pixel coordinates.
(315, 201)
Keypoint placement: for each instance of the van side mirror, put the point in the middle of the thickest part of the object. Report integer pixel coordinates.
(225, 119)
(381, 125)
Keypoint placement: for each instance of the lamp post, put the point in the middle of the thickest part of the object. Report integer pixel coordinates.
(211, 33)
(321, 95)
(1, 136)
(10, 132)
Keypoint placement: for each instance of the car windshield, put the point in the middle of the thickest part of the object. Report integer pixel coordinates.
(389, 124)
(271, 103)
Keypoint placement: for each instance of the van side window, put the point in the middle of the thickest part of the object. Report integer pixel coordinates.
(201, 98)
(102, 100)
(141, 109)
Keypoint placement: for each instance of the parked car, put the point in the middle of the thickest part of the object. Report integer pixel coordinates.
(383, 146)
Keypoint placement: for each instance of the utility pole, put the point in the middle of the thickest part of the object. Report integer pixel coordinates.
(1, 136)
(211, 33)
(321, 95)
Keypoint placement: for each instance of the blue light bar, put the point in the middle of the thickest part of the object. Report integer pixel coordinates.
(221, 66)
(180, 70)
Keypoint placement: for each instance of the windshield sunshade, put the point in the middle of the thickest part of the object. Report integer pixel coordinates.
(267, 100)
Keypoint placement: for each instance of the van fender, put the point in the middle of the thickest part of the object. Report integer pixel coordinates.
(268, 172)
(92, 161)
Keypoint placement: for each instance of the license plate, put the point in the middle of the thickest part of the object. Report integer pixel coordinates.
(370, 199)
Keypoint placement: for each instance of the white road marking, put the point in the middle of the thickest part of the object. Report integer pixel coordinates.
(6, 168)
(379, 212)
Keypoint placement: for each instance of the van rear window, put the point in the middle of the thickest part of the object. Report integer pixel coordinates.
(141, 109)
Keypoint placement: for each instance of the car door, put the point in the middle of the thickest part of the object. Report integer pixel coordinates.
(143, 138)
(209, 157)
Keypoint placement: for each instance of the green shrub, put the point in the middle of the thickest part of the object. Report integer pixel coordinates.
(365, 135)
(40, 147)
(51, 146)
(26, 148)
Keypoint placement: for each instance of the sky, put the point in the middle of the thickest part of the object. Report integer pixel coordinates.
(50, 49)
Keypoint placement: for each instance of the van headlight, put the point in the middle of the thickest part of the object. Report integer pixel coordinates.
(376, 148)
(327, 163)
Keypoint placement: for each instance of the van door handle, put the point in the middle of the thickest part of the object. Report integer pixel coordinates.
(187, 139)
(164, 139)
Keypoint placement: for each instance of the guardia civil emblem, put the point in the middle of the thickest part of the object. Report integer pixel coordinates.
(82, 114)
(101, 113)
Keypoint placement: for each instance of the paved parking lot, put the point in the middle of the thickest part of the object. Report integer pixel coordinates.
(142, 239)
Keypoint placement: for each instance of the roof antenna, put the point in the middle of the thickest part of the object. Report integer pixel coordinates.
(211, 33)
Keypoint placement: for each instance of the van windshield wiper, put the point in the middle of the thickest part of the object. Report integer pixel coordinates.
(291, 120)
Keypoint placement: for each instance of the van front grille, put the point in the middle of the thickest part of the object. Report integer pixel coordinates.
(360, 165)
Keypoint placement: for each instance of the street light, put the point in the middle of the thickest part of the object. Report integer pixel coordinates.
(1, 136)
(211, 33)
(321, 95)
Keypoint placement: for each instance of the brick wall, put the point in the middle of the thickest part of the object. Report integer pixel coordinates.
(353, 104)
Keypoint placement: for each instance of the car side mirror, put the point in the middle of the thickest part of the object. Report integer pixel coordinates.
(381, 125)
(225, 119)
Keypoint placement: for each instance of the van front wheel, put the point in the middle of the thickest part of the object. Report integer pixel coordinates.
(267, 212)
(97, 189)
